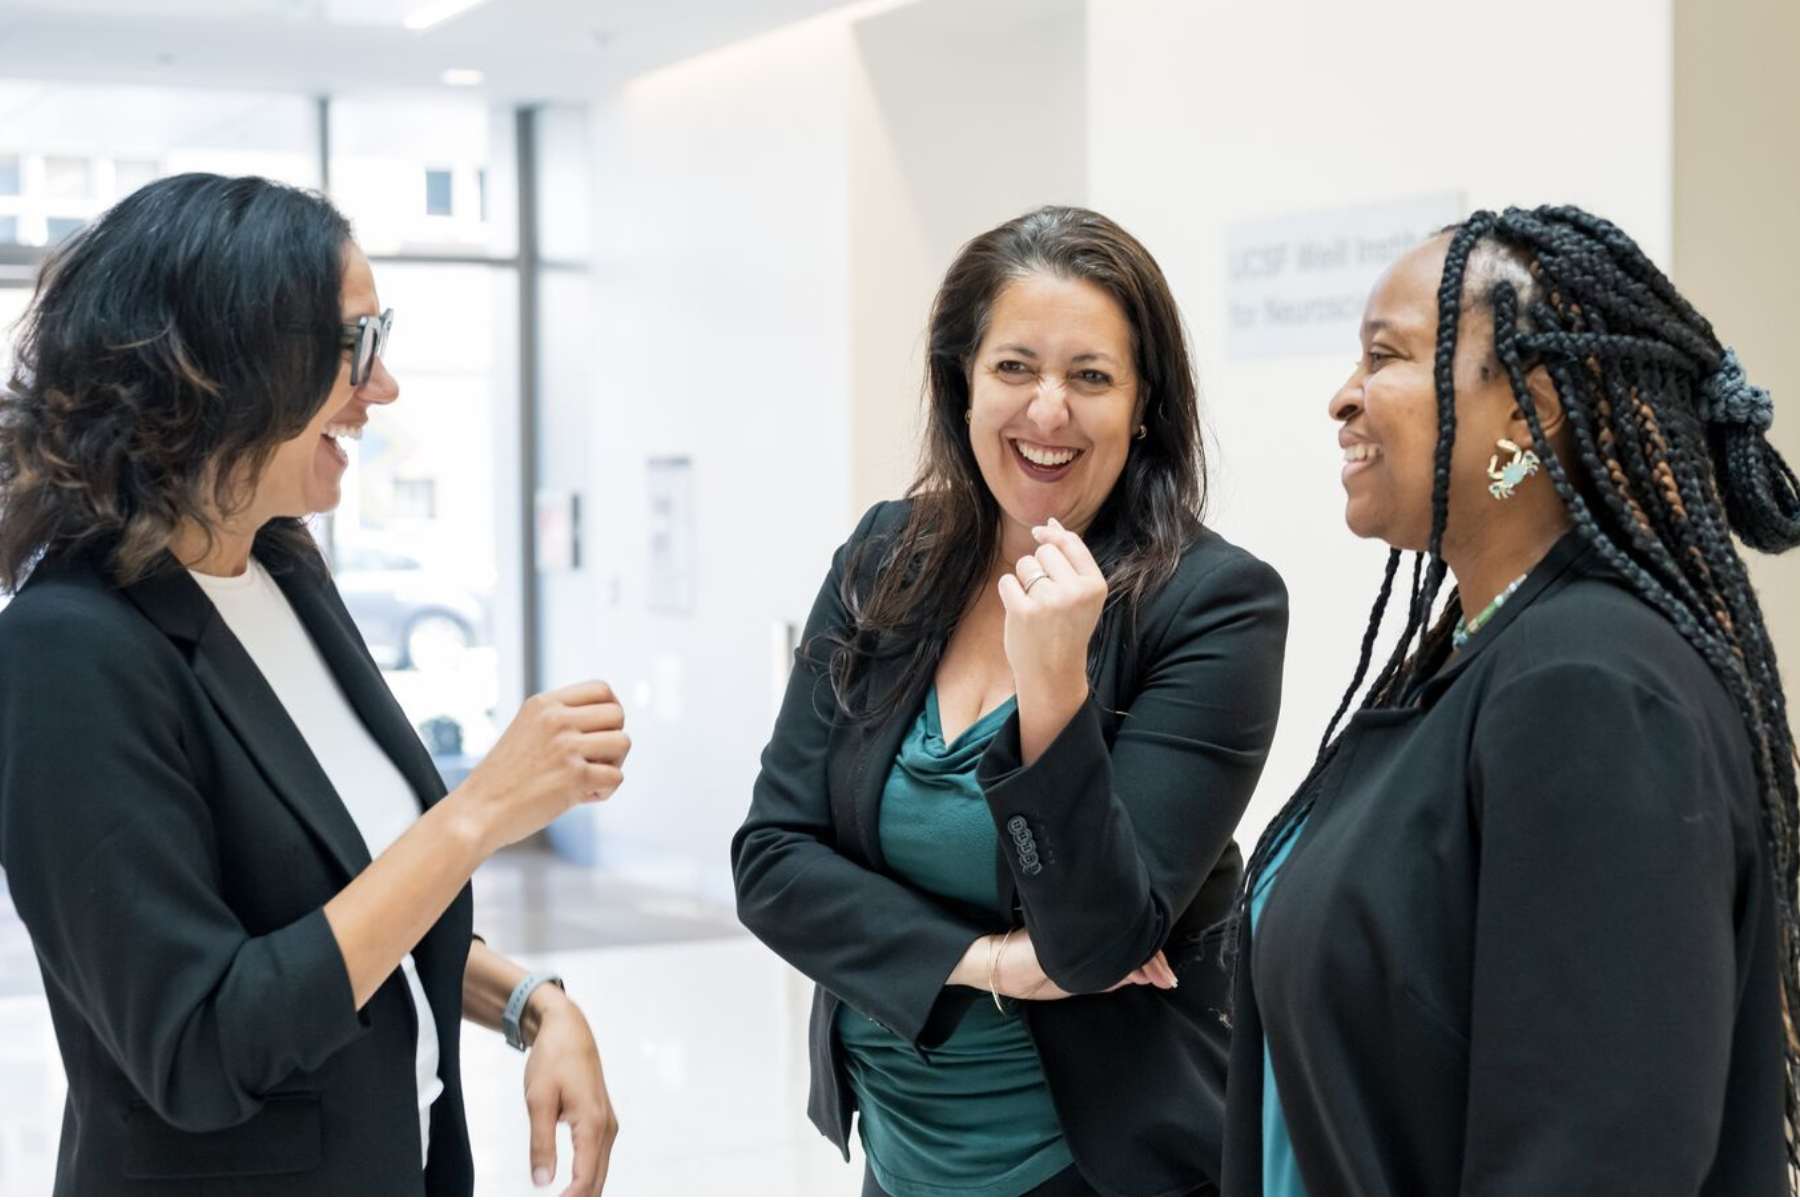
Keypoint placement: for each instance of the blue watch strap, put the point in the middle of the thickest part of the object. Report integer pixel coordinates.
(515, 1006)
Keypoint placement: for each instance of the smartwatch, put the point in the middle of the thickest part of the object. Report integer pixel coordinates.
(515, 1006)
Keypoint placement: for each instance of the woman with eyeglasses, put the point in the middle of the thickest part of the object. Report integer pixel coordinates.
(246, 887)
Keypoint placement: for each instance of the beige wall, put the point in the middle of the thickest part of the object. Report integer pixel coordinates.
(1737, 240)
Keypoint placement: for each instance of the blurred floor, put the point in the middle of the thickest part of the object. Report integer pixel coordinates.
(701, 1030)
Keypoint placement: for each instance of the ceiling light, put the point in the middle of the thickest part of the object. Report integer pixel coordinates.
(436, 13)
(463, 77)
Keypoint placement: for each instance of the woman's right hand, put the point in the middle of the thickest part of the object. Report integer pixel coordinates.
(564, 748)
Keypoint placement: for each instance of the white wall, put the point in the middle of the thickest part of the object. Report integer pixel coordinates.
(1205, 113)
(962, 116)
(772, 221)
(721, 331)
(773, 217)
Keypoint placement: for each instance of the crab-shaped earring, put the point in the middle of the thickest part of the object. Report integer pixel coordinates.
(1523, 466)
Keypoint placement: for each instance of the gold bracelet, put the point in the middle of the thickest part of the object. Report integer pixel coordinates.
(994, 968)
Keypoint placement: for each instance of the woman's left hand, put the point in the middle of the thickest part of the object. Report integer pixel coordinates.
(1016, 972)
(1053, 602)
(564, 1083)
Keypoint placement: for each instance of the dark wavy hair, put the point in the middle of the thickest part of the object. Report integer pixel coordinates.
(170, 348)
(1670, 458)
(927, 575)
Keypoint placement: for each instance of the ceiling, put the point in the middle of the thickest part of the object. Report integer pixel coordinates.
(526, 49)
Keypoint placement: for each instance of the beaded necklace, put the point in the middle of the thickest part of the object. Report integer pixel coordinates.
(1459, 637)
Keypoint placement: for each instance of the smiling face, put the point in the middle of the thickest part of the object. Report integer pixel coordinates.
(1388, 414)
(1053, 396)
(305, 475)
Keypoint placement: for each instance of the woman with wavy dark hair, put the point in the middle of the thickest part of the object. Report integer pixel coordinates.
(995, 817)
(245, 884)
(1528, 926)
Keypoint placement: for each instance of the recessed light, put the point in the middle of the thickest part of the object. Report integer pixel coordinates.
(436, 13)
(463, 77)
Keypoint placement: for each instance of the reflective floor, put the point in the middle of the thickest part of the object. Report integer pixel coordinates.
(702, 1032)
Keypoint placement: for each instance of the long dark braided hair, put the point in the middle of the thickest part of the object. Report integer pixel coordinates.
(1670, 438)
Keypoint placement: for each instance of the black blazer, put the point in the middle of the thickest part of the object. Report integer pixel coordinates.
(1526, 941)
(1115, 843)
(170, 842)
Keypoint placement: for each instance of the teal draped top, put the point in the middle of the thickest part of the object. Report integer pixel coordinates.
(974, 1117)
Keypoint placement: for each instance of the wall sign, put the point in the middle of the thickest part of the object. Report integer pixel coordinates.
(1296, 284)
(673, 560)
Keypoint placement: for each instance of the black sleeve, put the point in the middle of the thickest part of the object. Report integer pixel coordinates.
(1602, 999)
(110, 853)
(1120, 842)
(879, 945)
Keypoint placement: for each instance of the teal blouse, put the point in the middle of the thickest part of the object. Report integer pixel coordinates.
(975, 1117)
(1280, 1169)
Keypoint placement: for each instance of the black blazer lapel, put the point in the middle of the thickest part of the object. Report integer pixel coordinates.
(177, 606)
(316, 603)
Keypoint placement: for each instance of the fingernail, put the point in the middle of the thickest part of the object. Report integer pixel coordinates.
(540, 1176)
(1055, 524)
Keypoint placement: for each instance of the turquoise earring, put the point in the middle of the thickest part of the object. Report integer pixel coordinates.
(1506, 479)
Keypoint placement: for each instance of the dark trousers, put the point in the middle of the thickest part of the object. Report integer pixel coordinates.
(1066, 1182)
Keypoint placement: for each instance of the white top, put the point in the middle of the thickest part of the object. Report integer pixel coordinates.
(380, 801)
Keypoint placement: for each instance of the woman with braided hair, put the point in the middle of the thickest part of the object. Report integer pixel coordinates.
(1528, 925)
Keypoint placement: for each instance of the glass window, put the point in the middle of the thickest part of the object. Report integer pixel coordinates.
(383, 146)
(437, 193)
(9, 229)
(415, 499)
(130, 174)
(13, 301)
(179, 129)
(431, 476)
(67, 178)
(415, 538)
(76, 148)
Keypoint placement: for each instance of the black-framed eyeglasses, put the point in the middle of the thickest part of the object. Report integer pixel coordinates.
(366, 338)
